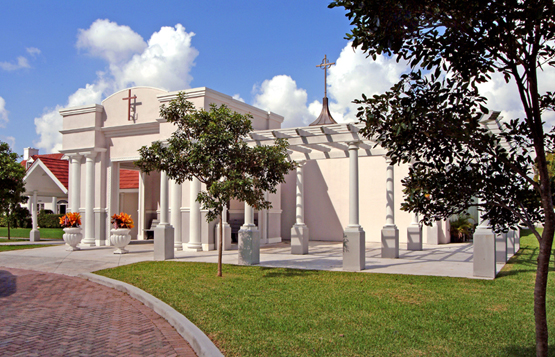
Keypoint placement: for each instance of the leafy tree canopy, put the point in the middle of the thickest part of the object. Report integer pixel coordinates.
(12, 187)
(436, 119)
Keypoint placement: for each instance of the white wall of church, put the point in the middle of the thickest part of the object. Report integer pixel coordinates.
(326, 200)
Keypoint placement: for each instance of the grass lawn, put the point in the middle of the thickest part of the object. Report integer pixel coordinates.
(257, 311)
(47, 233)
(4, 248)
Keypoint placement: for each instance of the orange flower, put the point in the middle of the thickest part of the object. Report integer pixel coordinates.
(122, 220)
(71, 219)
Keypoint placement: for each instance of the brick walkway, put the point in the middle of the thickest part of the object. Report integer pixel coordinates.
(44, 314)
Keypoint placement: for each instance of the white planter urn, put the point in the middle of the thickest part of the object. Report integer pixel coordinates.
(120, 238)
(72, 236)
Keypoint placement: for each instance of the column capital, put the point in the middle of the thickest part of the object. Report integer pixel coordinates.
(301, 163)
(353, 145)
(387, 160)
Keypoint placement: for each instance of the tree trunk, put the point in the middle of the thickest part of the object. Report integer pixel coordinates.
(8, 222)
(220, 247)
(540, 309)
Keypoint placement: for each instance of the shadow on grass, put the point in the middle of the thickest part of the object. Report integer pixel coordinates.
(284, 272)
(517, 351)
(8, 285)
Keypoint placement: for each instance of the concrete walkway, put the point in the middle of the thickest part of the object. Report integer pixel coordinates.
(45, 314)
(453, 260)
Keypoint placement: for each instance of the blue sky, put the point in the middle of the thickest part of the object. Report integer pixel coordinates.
(60, 53)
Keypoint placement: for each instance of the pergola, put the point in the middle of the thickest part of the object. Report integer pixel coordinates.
(324, 142)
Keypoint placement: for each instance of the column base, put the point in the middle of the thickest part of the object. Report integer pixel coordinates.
(177, 246)
(414, 238)
(501, 248)
(100, 242)
(390, 242)
(249, 245)
(197, 247)
(484, 253)
(88, 242)
(34, 235)
(299, 239)
(354, 249)
(163, 242)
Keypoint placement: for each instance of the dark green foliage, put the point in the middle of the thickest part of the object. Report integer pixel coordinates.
(12, 187)
(20, 218)
(48, 220)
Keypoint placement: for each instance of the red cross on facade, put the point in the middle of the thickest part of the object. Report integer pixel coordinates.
(129, 97)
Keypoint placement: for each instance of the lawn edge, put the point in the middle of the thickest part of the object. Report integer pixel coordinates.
(200, 343)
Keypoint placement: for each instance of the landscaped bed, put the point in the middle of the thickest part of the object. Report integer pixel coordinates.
(257, 311)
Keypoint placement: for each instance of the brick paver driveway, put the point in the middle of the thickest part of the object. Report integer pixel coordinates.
(44, 314)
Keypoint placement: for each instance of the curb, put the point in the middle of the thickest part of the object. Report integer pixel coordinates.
(200, 343)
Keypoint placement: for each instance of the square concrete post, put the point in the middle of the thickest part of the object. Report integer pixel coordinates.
(34, 235)
(510, 243)
(249, 239)
(163, 233)
(484, 253)
(414, 235)
(517, 240)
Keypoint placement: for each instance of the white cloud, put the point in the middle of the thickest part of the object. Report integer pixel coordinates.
(504, 97)
(164, 62)
(21, 63)
(33, 51)
(281, 95)
(8, 139)
(108, 40)
(238, 97)
(3, 113)
(352, 75)
(48, 127)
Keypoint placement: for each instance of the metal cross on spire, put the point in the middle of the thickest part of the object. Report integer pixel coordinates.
(325, 64)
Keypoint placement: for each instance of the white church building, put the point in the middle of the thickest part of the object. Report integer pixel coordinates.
(344, 183)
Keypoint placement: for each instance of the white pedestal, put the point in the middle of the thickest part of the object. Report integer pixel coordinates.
(390, 242)
(163, 242)
(354, 249)
(501, 248)
(34, 235)
(249, 245)
(484, 253)
(414, 238)
(299, 239)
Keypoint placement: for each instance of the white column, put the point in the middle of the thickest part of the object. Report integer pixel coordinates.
(164, 207)
(141, 209)
(249, 215)
(176, 215)
(34, 235)
(354, 237)
(89, 238)
(390, 233)
(194, 217)
(390, 196)
(226, 230)
(75, 189)
(299, 231)
(353, 186)
(55, 205)
(164, 232)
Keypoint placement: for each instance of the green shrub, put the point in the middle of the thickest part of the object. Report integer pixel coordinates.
(49, 220)
(20, 218)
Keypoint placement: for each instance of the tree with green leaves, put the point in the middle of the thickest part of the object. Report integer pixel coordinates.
(433, 117)
(12, 187)
(209, 145)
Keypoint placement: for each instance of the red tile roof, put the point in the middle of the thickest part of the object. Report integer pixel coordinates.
(58, 167)
(128, 179)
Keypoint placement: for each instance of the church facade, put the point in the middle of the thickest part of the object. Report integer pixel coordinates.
(344, 180)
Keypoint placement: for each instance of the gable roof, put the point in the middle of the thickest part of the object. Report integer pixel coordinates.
(59, 168)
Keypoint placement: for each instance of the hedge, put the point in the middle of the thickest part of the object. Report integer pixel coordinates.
(48, 220)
